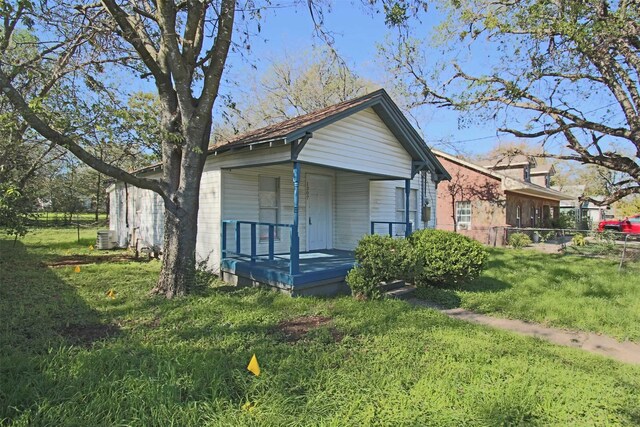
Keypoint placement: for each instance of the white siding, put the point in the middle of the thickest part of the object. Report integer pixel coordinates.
(240, 202)
(146, 218)
(136, 215)
(259, 156)
(383, 203)
(360, 142)
(117, 212)
(432, 198)
(208, 240)
(351, 209)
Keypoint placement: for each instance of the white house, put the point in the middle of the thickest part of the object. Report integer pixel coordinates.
(285, 205)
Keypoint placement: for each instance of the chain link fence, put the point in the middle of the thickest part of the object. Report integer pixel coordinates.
(624, 247)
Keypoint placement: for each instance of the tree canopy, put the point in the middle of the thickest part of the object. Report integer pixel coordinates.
(563, 73)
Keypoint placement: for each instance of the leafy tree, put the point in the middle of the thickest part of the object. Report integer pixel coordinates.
(293, 85)
(628, 206)
(14, 211)
(182, 47)
(563, 73)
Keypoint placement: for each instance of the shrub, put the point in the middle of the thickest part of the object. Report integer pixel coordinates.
(445, 258)
(519, 240)
(379, 259)
(579, 240)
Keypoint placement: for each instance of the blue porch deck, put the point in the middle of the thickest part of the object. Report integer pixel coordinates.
(320, 272)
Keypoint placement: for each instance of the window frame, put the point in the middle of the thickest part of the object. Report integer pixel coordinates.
(459, 221)
(263, 233)
(413, 210)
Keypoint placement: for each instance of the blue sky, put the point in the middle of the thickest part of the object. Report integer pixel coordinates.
(357, 32)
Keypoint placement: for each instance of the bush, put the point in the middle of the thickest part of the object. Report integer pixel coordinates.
(579, 240)
(445, 258)
(379, 259)
(519, 240)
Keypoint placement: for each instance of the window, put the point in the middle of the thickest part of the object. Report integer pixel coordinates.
(547, 181)
(463, 213)
(518, 215)
(269, 205)
(413, 210)
(527, 174)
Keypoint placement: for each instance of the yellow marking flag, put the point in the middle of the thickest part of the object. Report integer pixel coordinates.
(249, 406)
(77, 269)
(111, 294)
(253, 367)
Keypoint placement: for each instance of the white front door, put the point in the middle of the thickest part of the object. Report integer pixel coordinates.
(319, 212)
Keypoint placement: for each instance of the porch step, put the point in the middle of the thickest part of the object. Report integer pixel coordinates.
(389, 286)
(400, 293)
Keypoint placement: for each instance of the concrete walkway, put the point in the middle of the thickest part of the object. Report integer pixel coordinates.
(603, 345)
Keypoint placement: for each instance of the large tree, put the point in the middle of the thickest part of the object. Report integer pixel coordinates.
(564, 73)
(182, 47)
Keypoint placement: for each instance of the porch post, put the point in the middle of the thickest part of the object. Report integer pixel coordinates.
(294, 256)
(407, 216)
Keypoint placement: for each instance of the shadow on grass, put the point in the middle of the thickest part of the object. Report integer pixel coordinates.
(189, 362)
(39, 313)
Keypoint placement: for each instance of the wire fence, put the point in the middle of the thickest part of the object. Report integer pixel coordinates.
(587, 243)
(59, 219)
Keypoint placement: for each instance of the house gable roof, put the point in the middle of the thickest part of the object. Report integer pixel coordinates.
(508, 183)
(296, 128)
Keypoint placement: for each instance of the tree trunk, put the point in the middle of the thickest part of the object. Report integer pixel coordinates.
(179, 252)
(98, 197)
(454, 217)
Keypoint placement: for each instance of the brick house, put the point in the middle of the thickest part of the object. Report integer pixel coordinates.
(480, 201)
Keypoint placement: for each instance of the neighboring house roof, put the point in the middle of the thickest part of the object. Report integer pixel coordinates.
(296, 128)
(508, 161)
(543, 170)
(508, 184)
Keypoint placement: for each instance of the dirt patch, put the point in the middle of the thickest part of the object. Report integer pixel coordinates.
(85, 335)
(71, 260)
(296, 329)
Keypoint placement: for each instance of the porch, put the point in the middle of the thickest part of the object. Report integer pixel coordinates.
(315, 272)
(297, 236)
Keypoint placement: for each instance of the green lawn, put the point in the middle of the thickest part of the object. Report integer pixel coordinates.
(69, 355)
(569, 291)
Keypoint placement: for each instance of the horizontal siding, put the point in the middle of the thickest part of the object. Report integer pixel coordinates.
(146, 217)
(117, 212)
(208, 240)
(258, 156)
(240, 202)
(360, 142)
(383, 202)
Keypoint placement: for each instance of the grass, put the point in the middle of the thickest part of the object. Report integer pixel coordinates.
(575, 292)
(69, 355)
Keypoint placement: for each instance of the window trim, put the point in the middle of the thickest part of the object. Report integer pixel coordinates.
(413, 209)
(276, 208)
(459, 222)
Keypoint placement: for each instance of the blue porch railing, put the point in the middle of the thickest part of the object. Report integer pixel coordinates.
(389, 227)
(253, 254)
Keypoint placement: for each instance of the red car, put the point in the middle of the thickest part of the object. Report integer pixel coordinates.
(627, 225)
